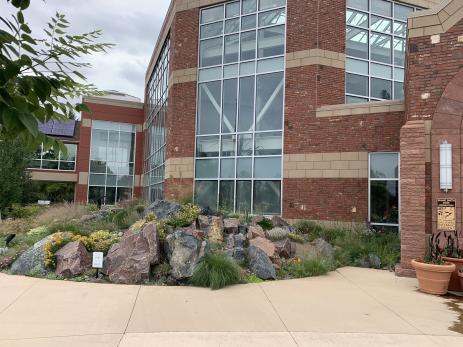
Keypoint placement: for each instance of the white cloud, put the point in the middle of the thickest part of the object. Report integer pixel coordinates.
(133, 26)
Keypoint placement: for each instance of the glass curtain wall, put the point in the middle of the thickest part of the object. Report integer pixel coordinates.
(238, 164)
(51, 159)
(112, 157)
(384, 199)
(376, 33)
(155, 135)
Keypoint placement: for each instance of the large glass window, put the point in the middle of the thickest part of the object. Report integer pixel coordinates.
(51, 159)
(375, 48)
(112, 159)
(238, 163)
(384, 200)
(155, 134)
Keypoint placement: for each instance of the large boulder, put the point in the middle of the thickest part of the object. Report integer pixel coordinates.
(255, 231)
(318, 248)
(73, 259)
(260, 264)
(212, 226)
(31, 261)
(164, 209)
(231, 225)
(129, 261)
(265, 245)
(324, 249)
(183, 252)
(283, 248)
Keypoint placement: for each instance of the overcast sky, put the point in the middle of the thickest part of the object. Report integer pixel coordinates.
(133, 25)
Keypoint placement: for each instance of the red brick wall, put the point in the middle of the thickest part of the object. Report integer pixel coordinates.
(326, 199)
(430, 68)
(113, 114)
(184, 40)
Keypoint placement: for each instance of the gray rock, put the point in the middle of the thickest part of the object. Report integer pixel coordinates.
(183, 253)
(243, 229)
(164, 209)
(212, 226)
(260, 264)
(73, 259)
(31, 261)
(239, 254)
(239, 240)
(229, 242)
(129, 261)
(375, 261)
(324, 249)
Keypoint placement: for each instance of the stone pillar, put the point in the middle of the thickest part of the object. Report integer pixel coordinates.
(412, 195)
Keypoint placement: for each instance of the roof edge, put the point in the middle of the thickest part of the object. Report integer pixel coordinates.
(436, 20)
(112, 102)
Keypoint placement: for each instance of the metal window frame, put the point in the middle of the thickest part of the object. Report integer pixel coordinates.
(369, 31)
(371, 179)
(255, 74)
(119, 131)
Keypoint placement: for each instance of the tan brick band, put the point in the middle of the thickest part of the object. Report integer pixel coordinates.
(183, 76)
(53, 176)
(361, 108)
(315, 57)
(179, 167)
(437, 20)
(83, 177)
(326, 165)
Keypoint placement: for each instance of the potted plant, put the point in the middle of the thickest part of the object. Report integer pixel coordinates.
(433, 273)
(454, 254)
(460, 274)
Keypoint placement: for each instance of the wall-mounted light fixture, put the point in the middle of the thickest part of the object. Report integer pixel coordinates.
(445, 166)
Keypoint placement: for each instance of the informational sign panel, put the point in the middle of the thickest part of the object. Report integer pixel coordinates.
(446, 215)
(97, 261)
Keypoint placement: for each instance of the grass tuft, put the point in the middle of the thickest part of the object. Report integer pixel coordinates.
(304, 268)
(216, 270)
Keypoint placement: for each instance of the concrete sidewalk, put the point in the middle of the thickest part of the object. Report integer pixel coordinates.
(349, 307)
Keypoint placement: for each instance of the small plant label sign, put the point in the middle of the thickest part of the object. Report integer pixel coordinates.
(97, 261)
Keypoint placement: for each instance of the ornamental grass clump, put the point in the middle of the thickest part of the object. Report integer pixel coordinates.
(300, 268)
(215, 270)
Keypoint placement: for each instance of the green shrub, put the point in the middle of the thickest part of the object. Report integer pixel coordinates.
(296, 238)
(28, 211)
(72, 226)
(266, 224)
(57, 241)
(304, 268)
(216, 270)
(140, 209)
(354, 246)
(185, 217)
(98, 241)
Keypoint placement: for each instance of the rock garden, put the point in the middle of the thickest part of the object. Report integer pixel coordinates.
(181, 244)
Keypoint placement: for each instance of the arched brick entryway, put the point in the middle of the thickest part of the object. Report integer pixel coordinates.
(447, 125)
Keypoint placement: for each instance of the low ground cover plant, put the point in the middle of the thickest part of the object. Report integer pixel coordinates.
(300, 268)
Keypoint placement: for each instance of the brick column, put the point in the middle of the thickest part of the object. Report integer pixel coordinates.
(412, 195)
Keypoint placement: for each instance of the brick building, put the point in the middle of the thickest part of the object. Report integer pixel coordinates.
(330, 110)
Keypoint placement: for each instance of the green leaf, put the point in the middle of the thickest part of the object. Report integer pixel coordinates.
(82, 108)
(25, 28)
(29, 122)
(28, 48)
(22, 4)
(29, 39)
(42, 88)
(20, 17)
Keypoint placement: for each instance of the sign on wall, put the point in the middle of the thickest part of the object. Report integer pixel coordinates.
(446, 215)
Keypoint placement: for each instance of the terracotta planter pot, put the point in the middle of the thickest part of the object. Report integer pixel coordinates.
(460, 274)
(433, 279)
(455, 284)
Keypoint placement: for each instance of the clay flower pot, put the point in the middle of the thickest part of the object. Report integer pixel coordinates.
(432, 278)
(460, 274)
(455, 284)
